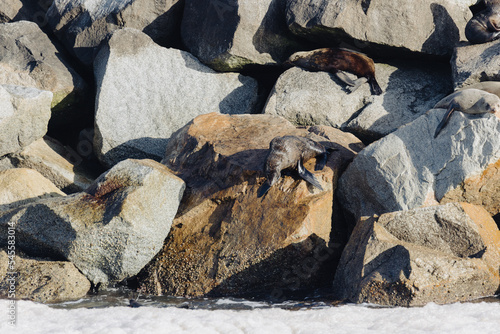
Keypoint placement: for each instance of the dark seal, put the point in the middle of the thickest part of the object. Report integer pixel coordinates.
(337, 60)
(292, 152)
(470, 101)
(484, 26)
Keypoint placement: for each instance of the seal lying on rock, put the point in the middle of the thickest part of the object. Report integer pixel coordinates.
(470, 101)
(336, 60)
(292, 151)
(492, 87)
(485, 25)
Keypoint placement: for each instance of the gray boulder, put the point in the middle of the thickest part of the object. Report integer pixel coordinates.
(440, 254)
(82, 25)
(471, 64)
(60, 164)
(320, 98)
(24, 116)
(146, 92)
(409, 168)
(28, 58)
(40, 280)
(227, 35)
(110, 231)
(431, 27)
(21, 185)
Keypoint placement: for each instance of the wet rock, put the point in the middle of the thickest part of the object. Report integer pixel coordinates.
(82, 25)
(471, 64)
(21, 185)
(146, 92)
(28, 58)
(228, 35)
(225, 240)
(440, 254)
(39, 280)
(60, 164)
(393, 27)
(110, 231)
(320, 98)
(24, 116)
(409, 168)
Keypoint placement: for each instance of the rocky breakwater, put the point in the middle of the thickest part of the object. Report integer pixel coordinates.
(110, 231)
(227, 241)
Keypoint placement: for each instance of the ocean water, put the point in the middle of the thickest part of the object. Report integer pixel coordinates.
(111, 314)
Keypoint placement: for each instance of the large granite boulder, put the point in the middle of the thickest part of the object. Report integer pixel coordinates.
(228, 35)
(61, 165)
(24, 116)
(225, 240)
(146, 92)
(320, 98)
(110, 231)
(82, 25)
(440, 254)
(20, 185)
(28, 58)
(474, 63)
(40, 280)
(431, 27)
(409, 168)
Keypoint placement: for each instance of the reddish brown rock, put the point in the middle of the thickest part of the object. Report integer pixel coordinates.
(225, 240)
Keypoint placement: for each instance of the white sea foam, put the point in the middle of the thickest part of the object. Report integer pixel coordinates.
(467, 318)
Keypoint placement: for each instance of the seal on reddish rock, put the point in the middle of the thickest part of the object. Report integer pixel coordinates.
(337, 60)
(470, 101)
(292, 152)
(484, 26)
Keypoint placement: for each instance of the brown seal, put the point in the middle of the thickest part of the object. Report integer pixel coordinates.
(335, 60)
(292, 152)
(484, 26)
(470, 101)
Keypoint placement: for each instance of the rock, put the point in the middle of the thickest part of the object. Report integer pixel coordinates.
(313, 98)
(110, 231)
(24, 116)
(430, 27)
(21, 185)
(228, 35)
(146, 92)
(471, 64)
(409, 168)
(225, 240)
(440, 254)
(29, 10)
(41, 281)
(28, 58)
(60, 164)
(82, 25)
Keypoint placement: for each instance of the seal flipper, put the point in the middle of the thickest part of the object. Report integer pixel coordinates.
(376, 90)
(345, 79)
(446, 118)
(307, 175)
(264, 188)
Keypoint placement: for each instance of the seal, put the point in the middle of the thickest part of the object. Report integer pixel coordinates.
(492, 87)
(336, 60)
(292, 152)
(484, 26)
(470, 101)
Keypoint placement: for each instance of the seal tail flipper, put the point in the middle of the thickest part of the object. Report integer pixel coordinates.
(321, 161)
(358, 82)
(308, 176)
(376, 90)
(264, 188)
(345, 79)
(445, 119)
